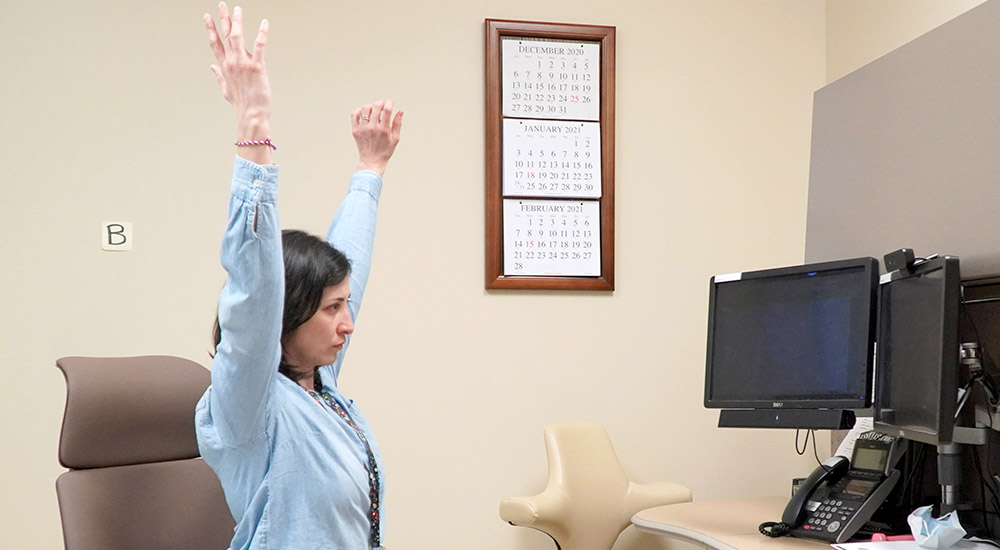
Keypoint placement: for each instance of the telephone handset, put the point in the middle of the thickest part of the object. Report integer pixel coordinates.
(830, 472)
(840, 496)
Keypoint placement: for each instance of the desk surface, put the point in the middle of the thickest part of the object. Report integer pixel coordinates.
(727, 524)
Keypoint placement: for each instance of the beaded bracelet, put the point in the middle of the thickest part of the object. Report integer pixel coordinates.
(266, 142)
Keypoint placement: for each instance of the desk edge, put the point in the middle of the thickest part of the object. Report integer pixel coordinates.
(687, 535)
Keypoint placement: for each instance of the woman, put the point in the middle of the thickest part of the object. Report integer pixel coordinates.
(297, 460)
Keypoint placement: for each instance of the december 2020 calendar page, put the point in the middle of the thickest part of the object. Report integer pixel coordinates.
(551, 79)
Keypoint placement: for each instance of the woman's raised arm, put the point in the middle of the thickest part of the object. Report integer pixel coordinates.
(250, 304)
(376, 134)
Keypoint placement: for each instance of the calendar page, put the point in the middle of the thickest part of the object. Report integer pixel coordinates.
(551, 158)
(551, 237)
(551, 79)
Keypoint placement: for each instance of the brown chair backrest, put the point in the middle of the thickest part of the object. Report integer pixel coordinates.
(136, 479)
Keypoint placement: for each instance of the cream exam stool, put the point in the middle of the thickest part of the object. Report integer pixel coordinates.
(589, 500)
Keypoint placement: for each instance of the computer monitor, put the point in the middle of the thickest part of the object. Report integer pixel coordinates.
(792, 347)
(918, 351)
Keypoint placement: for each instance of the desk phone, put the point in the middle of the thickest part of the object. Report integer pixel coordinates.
(842, 497)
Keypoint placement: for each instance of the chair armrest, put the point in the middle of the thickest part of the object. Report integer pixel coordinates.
(648, 495)
(545, 512)
(526, 511)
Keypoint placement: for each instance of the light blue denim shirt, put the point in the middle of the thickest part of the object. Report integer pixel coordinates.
(293, 471)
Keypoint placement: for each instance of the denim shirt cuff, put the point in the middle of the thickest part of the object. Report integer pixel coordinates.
(367, 181)
(255, 182)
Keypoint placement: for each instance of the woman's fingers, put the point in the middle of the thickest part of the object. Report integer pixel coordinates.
(397, 125)
(236, 32)
(241, 74)
(224, 20)
(380, 114)
(376, 111)
(213, 39)
(385, 117)
(367, 112)
(228, 37)
(260, 42)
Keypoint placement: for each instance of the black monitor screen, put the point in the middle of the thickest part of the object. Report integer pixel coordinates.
(796, 337)
(918, 352)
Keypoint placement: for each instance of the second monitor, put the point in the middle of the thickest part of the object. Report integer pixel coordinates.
(918, 351)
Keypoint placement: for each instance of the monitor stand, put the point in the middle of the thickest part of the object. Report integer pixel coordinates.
(949, 463)
(810, 419)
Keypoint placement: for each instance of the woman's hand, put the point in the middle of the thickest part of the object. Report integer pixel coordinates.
(376, 133)
(242, 77)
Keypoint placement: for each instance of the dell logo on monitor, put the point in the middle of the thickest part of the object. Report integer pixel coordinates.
(777, 405)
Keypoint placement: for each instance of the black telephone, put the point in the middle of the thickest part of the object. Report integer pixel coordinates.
(840, 496)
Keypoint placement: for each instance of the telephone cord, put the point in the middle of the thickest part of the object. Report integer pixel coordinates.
(774, 529)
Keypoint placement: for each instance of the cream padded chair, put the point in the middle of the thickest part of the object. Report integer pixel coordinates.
(589, 500)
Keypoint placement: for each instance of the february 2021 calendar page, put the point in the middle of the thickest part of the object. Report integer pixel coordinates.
(551, 237)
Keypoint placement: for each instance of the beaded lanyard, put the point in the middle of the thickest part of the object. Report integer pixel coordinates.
(374, 480)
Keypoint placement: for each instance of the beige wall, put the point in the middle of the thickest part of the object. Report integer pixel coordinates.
(110, 113)
(860, 31)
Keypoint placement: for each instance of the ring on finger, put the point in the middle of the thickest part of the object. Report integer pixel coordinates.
(365, 117)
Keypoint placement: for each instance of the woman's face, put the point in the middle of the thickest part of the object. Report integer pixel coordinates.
(318, 341)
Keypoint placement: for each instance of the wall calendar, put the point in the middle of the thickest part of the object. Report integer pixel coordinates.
(549, 155)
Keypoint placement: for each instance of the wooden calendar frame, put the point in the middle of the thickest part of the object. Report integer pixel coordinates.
(496, 31)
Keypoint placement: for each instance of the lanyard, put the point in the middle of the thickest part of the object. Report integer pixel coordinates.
(374, 478)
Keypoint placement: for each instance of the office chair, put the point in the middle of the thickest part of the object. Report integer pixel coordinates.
(135, 478)
(589, 500)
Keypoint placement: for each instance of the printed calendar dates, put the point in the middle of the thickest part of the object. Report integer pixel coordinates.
(548, 158)
(551, 237)
(551, 79)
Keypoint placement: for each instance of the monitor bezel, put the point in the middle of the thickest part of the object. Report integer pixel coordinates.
(871, 269)
(948, 375)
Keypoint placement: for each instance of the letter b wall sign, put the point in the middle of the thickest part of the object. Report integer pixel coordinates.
(116, 236)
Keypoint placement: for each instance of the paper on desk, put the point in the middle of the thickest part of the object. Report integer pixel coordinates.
(861, 425)
(964, 544)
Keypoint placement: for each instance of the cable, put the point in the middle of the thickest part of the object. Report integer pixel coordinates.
(815, 454)
(778, 528)
(983, 484)
(802, 451)
(805, 446)
(988, 479)
(908, 488)
(774, 529)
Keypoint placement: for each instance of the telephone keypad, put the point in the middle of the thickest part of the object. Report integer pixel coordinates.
(836, 510)
(830, 514)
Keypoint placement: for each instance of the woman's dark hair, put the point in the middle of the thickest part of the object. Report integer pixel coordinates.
(311, 265)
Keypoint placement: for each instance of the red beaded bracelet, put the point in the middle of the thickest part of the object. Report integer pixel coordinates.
(264, 142)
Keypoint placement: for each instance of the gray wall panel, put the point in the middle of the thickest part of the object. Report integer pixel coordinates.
(906, 151)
